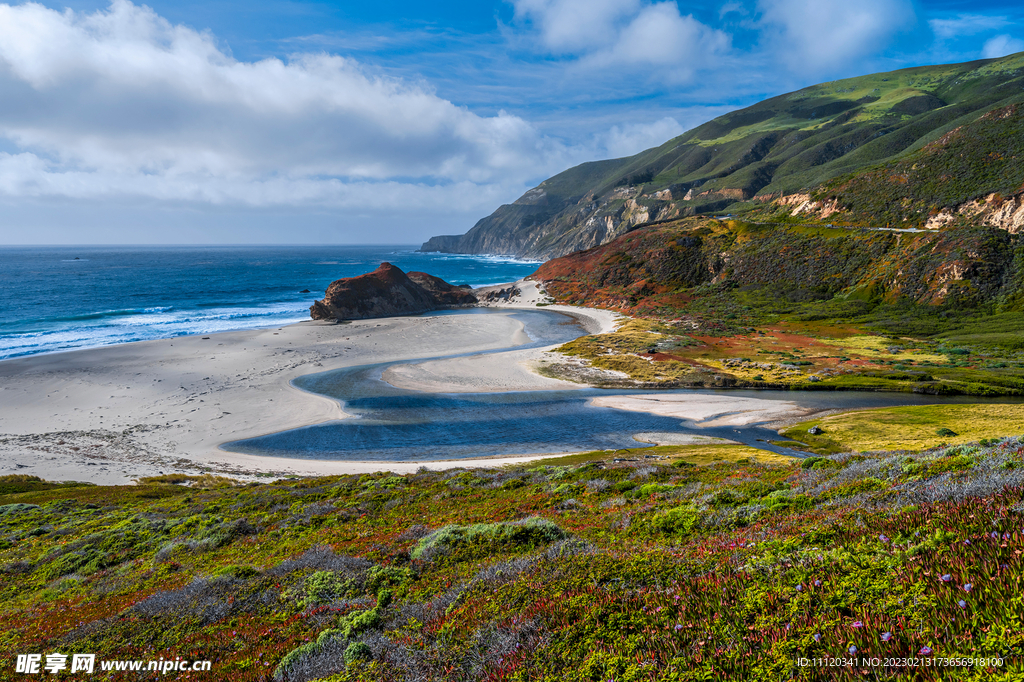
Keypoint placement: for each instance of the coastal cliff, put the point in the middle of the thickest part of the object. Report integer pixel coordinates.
(922, 147)
(385, 292)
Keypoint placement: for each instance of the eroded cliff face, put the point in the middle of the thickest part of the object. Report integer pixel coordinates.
(385, 292)
(994, 210)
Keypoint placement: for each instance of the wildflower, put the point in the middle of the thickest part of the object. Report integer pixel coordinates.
(967, 587)
(817, 637)
(967, 542)
(883, 538)
(678, 627)
(995, 535)
(817, 583)
(857, 624)
(852, 649)
(962, 604)
(886, 636)
(946, 577)
(799, 588)
(925, 651)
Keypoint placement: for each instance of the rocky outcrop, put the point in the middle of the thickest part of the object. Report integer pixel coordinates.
(442, 292)
(385, 292)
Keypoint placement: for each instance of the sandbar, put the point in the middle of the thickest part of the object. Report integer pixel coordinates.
(113, 414)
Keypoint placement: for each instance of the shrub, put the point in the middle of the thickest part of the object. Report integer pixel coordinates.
(324, 587)
(357, 651)
(482, 539)
(238, 571)
(677, 521)
(388, 576)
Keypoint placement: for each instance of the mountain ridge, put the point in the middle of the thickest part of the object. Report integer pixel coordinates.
(753, 158)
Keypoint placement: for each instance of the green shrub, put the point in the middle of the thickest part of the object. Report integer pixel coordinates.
(388, 576)
(482, 539)
(677, 521)
(236, 571)
(324, 587)
(357, 651)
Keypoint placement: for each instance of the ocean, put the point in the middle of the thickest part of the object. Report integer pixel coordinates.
(71, 297)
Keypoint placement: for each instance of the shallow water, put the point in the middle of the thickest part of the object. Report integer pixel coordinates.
(400, 425)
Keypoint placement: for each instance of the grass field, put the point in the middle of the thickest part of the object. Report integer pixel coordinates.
(910, 428)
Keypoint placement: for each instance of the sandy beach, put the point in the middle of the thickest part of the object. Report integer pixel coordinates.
(113, 414)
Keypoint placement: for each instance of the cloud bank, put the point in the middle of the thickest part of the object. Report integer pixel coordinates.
(121, 102)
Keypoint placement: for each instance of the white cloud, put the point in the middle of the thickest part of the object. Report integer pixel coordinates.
(634, 138)
(816, 36)
(966, 25)
(121, 102)
(1000, 46)
(625, 34)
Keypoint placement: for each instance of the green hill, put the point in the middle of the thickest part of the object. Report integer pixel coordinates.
(932, 138)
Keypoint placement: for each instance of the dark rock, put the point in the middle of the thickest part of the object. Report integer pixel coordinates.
(815, 431)
(305, 291)
(385, 292)
(444, 293)
(502, 294)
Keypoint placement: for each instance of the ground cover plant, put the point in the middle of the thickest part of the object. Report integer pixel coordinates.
(670, 563)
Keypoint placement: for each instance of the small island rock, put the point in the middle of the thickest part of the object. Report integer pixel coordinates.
(385, 292)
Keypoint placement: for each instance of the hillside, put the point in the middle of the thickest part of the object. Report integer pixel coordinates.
(734, 303)
(922, 139)
(679, 563)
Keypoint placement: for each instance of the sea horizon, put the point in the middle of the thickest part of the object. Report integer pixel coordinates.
(59, 298)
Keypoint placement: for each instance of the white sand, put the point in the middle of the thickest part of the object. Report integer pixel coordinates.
(113, 414)
(514, 370)
(706, 409)
(110, 415)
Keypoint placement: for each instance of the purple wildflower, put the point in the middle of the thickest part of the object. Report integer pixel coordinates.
(817, 583)
(925, 651)
(967, 587)
(857, 624)
(852, 649)
(799, 588)
(967, 542)
(886, 636)
(817, 637)
(883, 538)
(962, 604)
(679, 626)
(946, 577)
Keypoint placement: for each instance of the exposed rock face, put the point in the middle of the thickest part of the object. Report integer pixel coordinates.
(385, 292)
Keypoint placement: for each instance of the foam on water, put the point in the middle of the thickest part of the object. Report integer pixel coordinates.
(67, 298)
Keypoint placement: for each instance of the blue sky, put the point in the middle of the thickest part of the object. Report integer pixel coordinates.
(388, 122)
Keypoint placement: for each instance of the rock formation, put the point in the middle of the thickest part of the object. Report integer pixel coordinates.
(385, 292)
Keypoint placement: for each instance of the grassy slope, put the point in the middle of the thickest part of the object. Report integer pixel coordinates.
(731, 303)
(869, 142)
(637, 570)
